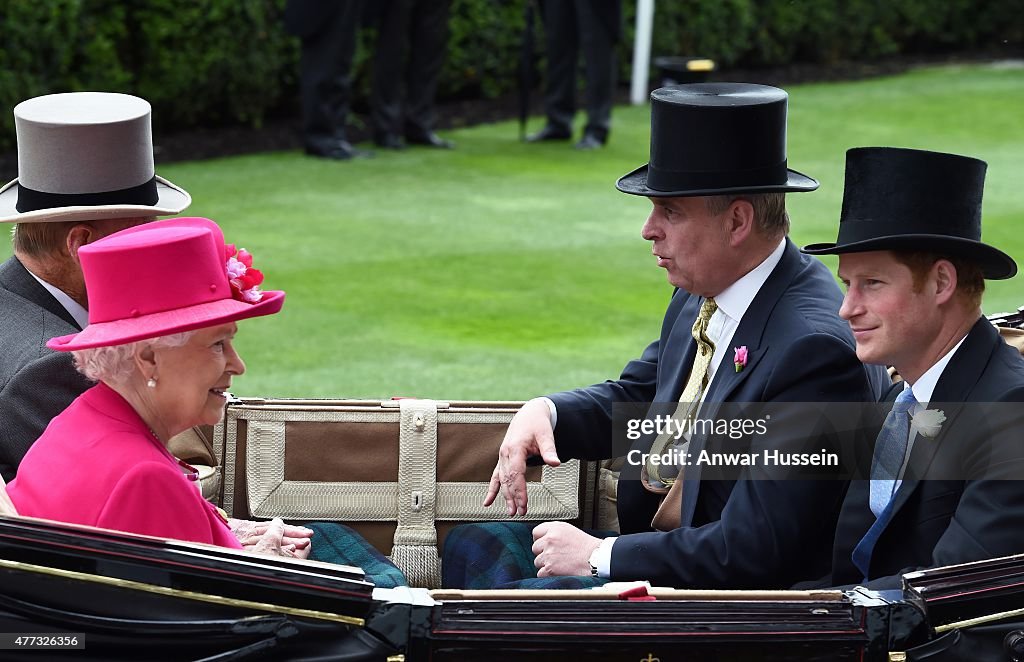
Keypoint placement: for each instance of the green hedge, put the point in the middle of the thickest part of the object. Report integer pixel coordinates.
(204, 62)
(213, 62)
(760, 33)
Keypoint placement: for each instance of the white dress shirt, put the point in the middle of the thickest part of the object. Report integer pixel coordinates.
(80, 315)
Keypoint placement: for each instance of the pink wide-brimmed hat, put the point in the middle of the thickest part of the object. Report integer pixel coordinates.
(165, 277)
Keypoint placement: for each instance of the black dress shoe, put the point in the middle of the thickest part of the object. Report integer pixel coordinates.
(428, 139)
(549, 132)
(589, 141)
(388, 141)
(339, 151)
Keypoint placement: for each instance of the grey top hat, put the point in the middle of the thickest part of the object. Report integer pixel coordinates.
(716, 139)
(86, 156)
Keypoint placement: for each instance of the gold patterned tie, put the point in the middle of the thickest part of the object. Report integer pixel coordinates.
(695, 385)
(698, 379)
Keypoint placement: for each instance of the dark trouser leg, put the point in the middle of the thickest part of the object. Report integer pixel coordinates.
(560, 39)
(326, 72)
(597, 41)
(390, 53)
(428, 41)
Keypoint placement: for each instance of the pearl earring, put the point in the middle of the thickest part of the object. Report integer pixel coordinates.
(151, 383)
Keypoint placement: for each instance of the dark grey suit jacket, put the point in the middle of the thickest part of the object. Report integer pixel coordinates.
(962, 497)
(36, 383)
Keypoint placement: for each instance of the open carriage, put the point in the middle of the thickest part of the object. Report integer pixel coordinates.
(404, 473)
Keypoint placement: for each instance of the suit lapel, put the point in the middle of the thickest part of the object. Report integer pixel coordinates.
(689, 496)
(727, 381)
(966, 367)
(856, 517)
(679, 364)
(15, 278)
(750, 331)
(676, 362)
(955, 384)
(854, 521)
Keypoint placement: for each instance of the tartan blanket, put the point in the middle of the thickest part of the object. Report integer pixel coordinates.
(499, 555)
(337, 543)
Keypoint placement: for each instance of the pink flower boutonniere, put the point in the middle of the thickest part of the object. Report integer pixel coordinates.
(740, 358)
(244, 279)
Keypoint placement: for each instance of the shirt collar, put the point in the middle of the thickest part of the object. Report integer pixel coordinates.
(81, 315)
(925, 384)
(734, 300)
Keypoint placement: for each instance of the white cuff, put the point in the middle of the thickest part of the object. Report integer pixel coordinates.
(551, 410)
(601, 558)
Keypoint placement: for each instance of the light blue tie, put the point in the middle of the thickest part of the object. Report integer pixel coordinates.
(890, 451)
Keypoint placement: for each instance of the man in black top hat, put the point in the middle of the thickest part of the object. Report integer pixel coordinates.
(751, 321)
(945, 484)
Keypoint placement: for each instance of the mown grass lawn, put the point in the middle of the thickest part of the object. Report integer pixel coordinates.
(503, 271)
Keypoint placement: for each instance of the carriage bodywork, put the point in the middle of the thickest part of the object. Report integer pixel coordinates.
(133, 597)
(403, 473)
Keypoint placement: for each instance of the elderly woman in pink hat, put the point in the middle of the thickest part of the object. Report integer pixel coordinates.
(165, 299)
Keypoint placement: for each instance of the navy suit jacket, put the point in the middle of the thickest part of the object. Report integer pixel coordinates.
(962, 497)
(36, 383)
(745, 533)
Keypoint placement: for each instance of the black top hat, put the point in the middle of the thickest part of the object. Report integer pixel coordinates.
(715, 139)
(910, 199)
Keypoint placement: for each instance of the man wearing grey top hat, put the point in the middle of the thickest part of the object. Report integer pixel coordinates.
(751, 321)
(946, 483)
(85, 170)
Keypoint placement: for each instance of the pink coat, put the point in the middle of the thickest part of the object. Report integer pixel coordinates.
(97, 463)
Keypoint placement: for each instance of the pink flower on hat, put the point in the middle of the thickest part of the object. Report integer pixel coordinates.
(244, 279)
(235, 268)
(252, 295)
(740, 357)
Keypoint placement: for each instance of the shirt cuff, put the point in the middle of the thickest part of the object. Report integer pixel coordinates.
(602, 558)
(551, 410)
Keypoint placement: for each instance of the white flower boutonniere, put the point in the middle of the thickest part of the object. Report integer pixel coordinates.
(928, 422)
